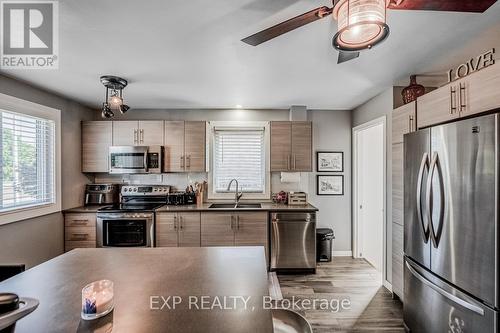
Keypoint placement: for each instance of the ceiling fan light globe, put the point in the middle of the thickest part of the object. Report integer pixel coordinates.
(361, 24)
(115, 101)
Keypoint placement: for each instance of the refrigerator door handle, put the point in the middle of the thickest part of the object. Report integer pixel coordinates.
(423, 165)
(433, 235)
(444, 293)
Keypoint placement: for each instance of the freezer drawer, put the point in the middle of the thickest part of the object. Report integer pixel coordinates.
(293, 241)
(432, 305)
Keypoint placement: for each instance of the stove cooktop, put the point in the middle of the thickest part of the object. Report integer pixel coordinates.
(131, 208)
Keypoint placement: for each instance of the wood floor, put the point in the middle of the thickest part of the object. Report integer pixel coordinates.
(372, 308)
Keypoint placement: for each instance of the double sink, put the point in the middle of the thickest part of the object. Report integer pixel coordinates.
(235, 206)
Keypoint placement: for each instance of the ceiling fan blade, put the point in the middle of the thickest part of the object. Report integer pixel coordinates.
(347, 56)
(475, 6)
(288, 25)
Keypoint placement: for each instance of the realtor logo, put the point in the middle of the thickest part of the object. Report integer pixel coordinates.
(29, 35)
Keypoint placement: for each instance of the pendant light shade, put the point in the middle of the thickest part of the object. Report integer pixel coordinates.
(361, 24)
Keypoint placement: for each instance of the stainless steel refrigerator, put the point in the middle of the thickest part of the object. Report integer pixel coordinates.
(451, 231)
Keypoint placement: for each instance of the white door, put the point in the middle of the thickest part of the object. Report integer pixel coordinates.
(370, 194)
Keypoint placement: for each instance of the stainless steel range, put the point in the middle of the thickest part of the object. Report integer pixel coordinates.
(132, 222)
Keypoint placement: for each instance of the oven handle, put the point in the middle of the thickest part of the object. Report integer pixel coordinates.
(119, 217)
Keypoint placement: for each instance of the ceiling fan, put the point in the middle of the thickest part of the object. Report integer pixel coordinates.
(362, 23)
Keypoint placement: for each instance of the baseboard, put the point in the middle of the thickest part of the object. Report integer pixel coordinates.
(387, 285)
(342, 253)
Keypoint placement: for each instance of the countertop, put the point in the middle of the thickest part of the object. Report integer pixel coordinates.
(84, 209)
(266, 206)
(139, 274)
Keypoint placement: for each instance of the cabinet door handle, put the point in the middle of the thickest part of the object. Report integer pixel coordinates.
(79, 236)
(238, 222)
(182, 162)
(180, 222)
(188, 161)
(135, 136)
(288, 158)
(231, 223)
(410, 124)
(463, 106)
(294, 162)
(453, 91)
(175, 222)
(79, 222)
(142, 136)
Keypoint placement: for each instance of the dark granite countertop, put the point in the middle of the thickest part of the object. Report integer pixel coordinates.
(140, 274)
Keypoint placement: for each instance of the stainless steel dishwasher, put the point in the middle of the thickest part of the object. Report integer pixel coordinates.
(293, 241)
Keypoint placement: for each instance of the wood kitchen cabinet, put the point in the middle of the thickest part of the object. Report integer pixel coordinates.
(97, 136)
(234, 229)
(291, 146)
(185, 146)
(79, 230)
(138, 133)
(404, 120)
(178, 229)
(479, 92)
(438, 106)
(217, 229)
(476, 93)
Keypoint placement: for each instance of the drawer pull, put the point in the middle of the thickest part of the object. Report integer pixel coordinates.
(79, 236)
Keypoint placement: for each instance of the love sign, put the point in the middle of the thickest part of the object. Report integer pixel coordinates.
(481, 61)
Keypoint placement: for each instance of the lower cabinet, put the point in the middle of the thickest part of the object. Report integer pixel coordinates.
(234, 229)
(177, 229)
(79, 230)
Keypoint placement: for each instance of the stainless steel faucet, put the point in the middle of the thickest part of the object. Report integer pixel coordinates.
(237, 196)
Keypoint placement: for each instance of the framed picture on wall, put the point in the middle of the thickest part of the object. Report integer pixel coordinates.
(330, 184)
(330, 161)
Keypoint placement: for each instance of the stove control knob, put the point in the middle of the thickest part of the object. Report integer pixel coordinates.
(135, 189)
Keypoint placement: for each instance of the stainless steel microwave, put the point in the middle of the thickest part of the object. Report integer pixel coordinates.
(135, 159)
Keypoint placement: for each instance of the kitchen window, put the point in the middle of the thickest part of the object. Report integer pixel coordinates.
(239, 151)
(29, 150)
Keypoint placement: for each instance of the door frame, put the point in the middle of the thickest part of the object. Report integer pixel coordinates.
(356, 223)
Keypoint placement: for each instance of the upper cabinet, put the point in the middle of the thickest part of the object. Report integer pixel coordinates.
(185, 146)
(404, 120)
(479, 92)
(138, 133)
(438, 106)
(96, 139)
(291, 146)
(470, 95)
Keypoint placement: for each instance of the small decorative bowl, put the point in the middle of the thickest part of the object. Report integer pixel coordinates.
(97, 299)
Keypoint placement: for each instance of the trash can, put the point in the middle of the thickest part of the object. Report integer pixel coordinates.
(324, 239)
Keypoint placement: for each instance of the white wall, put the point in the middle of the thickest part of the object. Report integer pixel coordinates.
(36, 240)
(331, 131)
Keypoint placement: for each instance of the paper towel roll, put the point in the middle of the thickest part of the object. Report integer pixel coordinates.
(290, 177)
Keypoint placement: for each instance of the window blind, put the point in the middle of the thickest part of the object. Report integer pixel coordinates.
(239, 154)
(27, 176)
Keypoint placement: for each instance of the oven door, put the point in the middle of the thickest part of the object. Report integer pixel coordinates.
(128, 159)
(115, 230)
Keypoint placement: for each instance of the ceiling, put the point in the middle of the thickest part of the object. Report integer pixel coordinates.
(188, 54)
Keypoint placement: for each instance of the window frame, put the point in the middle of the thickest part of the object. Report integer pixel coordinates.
(266, 194)
(16, 105)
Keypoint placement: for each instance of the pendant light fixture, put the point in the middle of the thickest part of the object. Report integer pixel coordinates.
(114, 95)
(361, 24)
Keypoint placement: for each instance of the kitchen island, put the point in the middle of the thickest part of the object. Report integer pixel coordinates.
(144, 278)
